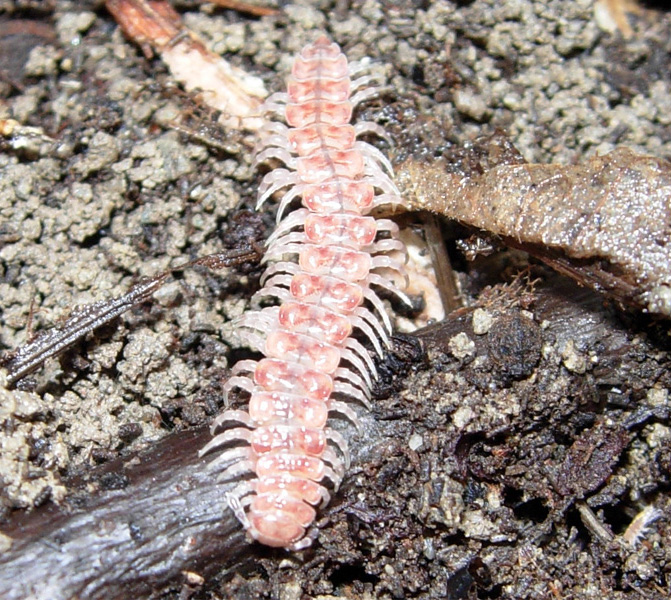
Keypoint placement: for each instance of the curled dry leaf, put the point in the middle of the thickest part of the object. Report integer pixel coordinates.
(606, 222)
(155, 26)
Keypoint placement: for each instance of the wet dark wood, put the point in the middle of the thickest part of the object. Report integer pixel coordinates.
(168, 516)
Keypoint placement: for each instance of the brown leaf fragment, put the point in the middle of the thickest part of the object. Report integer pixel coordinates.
(590, 460)
(605, 222)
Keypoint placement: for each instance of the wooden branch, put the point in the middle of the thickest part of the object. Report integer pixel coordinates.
(136, 525)
(167, 517)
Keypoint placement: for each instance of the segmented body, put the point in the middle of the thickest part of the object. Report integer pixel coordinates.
(312, 361)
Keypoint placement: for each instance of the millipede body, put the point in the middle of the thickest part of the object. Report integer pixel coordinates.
(325, 259)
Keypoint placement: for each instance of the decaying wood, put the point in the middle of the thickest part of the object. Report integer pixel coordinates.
(606, 222)
(246, 7)
(158, 520)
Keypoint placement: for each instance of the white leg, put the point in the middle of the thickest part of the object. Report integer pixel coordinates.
(385, 262)
(350, 376)
(373, 298)
(356, 362)
(239, 512)
(383, 282)
(243, 383)
(237, 434)
(368, 127)
(282, 294)
(372, 153)
(277, 152)
(341, 443)
(230, 416)
(333, 459)
(304, 542)
(390, 245)
(282, 267)
(346, 411)
(274, 181)
(367, 330)
(353, 392)
(369, 317)
(356, 346)
(295, 219)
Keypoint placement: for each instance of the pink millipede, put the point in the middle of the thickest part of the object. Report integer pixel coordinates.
(311, 360)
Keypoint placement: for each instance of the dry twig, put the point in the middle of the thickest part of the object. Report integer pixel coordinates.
(155, 26)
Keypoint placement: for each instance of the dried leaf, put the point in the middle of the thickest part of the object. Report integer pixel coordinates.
(605, 222)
